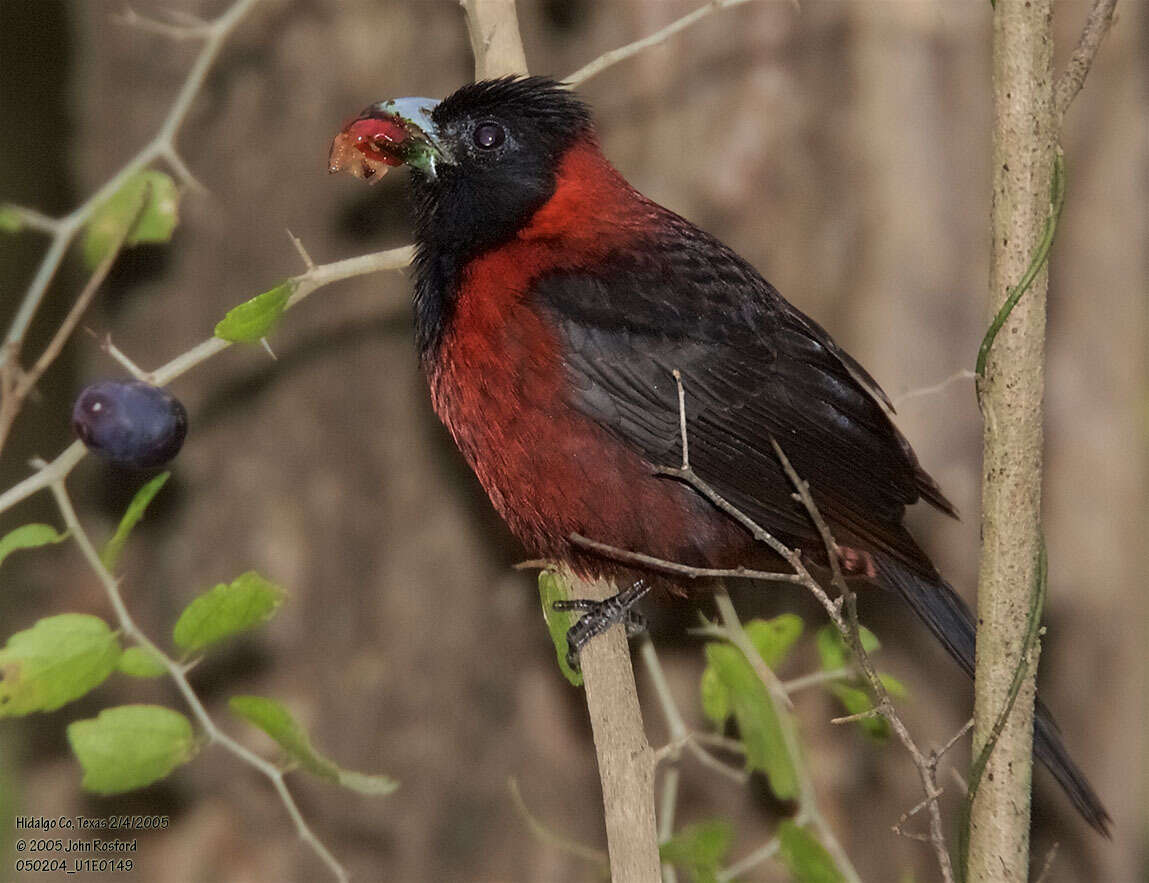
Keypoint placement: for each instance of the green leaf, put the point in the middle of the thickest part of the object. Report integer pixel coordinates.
(805, 857)
(758, 725)
(893, 686)
(154, 220)
(130, 746)
(833, 650)
(855, 697)
(11, 221)
(249, 600)
(254, 319)
(773, 638)
(55, 661)
(275, 720)
(715, 697)
(552, 589)
(115, 547)
(29, 537)
(138, 662)
(699, 849)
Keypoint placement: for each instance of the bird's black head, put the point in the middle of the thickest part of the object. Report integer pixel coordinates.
(483, 161)
(499, 143)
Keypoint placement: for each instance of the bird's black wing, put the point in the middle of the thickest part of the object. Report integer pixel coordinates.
(753, 367)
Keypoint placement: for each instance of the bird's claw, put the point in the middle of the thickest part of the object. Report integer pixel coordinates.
(598, 616)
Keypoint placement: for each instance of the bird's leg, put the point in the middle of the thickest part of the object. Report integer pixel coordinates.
(598, 616)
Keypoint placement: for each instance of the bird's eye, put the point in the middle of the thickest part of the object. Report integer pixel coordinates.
(488, 136)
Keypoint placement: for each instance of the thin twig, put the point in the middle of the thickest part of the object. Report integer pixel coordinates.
(679, 734)
(162, 145)
(933, 389)
(868, 714)
(133, 19)
(179, 675)
(1081, 61)
(766, 851)
(818, 677)
(807, 797)
(322, 275)
(25, 381)
(546, 835)
(1047, 865)
(614, 56)
(850, 630)
(625, 556)
(120, 356)
(29, 217)
(299, 247)
(843, 613)
(682, 419)
(953, 740)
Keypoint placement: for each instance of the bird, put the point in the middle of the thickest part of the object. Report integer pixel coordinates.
(559, 313)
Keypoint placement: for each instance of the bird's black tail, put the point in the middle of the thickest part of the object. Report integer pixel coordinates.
(952, 622)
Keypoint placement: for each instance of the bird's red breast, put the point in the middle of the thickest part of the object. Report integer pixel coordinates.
(499, 386)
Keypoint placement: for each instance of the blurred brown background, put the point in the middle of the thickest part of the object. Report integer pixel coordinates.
(842, 147)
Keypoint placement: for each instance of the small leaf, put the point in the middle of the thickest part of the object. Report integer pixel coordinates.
(552, 589)
(805, 857)
(758, 725)
(11, 221)
(893, 686)
(275, 720)
(138, 662)
(715, 697)
(154, 220)
(255, 318)
(833, 650)
(55, 661)
(855, 696)
(130, 746)
(249, 600)
(29, 537)
(773, 638)
(115, 547)
(699, 849)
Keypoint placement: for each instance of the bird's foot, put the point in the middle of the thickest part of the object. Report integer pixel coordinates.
(598, 616)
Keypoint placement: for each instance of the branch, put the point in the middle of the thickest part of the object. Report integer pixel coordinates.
(625, 758)
(306, 283)
(933, 389)
(807, 798)
(1011, 390)
(162, 146)
(850, 630)
(15, 383)
(179, 674)
(625, 556)
(1077, 69)
(614, 56)
(846, 622)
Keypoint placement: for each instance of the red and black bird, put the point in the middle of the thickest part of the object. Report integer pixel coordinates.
(553, 302)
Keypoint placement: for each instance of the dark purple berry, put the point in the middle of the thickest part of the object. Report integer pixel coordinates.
(130, 423)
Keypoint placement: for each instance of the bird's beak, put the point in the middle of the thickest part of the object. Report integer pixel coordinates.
(390, 133)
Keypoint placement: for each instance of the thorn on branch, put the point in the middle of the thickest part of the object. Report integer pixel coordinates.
(298, 243)
(868, 714)
(193, 28)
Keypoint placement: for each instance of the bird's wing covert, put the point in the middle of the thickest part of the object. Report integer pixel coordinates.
(752, 367)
